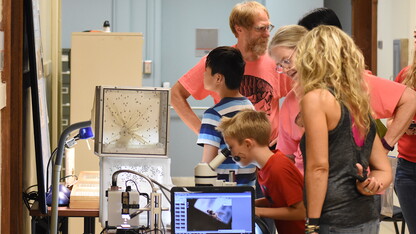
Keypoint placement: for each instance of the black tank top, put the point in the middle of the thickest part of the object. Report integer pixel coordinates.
(344, 206)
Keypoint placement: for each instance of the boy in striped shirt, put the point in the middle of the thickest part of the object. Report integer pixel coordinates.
(224, 69)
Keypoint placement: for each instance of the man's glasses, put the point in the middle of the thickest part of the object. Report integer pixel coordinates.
(269, 28)
(284, 64)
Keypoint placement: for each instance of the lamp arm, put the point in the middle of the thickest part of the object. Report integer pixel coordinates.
(56, 173)
(64, 136)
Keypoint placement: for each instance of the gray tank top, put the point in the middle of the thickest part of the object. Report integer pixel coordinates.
(344, 206)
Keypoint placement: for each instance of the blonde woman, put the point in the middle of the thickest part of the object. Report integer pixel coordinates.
(339, 135)
(388, 99)
(282, 48)
(405, 181)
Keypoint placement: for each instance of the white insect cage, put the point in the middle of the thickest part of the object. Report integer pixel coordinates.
(131, 122)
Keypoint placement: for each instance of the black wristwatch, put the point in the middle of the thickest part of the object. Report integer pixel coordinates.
(386, 145)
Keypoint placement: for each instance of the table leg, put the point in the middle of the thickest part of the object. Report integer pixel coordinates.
(64, 225)
(33, 226)
(89, 225)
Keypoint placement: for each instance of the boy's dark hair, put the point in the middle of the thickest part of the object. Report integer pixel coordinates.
(320, 16)
(229, 62)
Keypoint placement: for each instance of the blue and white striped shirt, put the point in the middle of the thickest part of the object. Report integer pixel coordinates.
(209, 135)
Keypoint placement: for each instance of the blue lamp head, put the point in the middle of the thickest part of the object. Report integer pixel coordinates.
(86, 133)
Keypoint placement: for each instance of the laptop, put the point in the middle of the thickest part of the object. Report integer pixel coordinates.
(212, 210)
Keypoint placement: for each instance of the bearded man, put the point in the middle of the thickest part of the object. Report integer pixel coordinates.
(262, 85)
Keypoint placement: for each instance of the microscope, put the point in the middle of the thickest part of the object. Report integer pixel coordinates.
(205, 174)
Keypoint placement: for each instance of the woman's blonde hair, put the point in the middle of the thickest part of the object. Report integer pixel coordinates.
(243, 15)
(410, 79)
(287, 36)
(327, 58)
(247, 124)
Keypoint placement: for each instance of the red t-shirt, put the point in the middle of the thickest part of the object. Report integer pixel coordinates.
(282, 184)
(261, 84)
(407, 143)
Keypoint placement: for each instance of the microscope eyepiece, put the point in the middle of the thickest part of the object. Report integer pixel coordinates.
(226, 152)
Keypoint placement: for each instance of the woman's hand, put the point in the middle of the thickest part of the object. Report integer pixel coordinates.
(370, 186)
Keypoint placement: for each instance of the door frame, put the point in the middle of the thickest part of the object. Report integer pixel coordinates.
(364, 30)
(12, 118)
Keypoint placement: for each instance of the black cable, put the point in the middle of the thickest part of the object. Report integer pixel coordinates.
(30, 197)
(76, 177)
(167, 198)
(161, 189)
(50, 159)
(160, 185)
(134, 182)
(148, 204)
(102, 231)
(30, 187)
(47, 168)
(27, 197)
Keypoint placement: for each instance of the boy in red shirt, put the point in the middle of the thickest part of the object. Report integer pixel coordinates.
(247, 135)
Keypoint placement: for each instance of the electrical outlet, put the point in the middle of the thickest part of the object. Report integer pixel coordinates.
(380, 45)
(147, 67)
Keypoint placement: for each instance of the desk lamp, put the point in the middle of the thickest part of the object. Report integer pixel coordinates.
(84, 133)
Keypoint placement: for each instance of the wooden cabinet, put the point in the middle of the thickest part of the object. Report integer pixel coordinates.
(113, 59)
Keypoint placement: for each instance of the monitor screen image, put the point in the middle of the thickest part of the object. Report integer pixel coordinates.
(212, 212)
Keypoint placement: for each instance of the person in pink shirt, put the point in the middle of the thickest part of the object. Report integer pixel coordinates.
(387, 98)
(290, 128)
(249, 21)
(405, 181)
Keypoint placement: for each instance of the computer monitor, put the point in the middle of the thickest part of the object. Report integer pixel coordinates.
(212, 209)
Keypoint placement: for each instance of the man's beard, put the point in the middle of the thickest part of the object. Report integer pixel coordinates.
(258, 46)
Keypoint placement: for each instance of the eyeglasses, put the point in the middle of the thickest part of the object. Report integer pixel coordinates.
(269, 28)
(284, 64)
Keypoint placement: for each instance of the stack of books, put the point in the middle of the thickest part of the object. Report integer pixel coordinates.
(86, 191)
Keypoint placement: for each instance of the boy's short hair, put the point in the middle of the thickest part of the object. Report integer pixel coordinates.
(243, 15)
(228, 62)
(247, 124)
(320, 16)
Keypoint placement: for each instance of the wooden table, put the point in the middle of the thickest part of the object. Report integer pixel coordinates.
(89, 216)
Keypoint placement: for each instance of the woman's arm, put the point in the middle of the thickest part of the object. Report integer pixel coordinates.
(380, 175)
(294, 212)
(317, 166)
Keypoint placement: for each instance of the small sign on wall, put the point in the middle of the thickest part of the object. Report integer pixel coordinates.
(206, 40)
